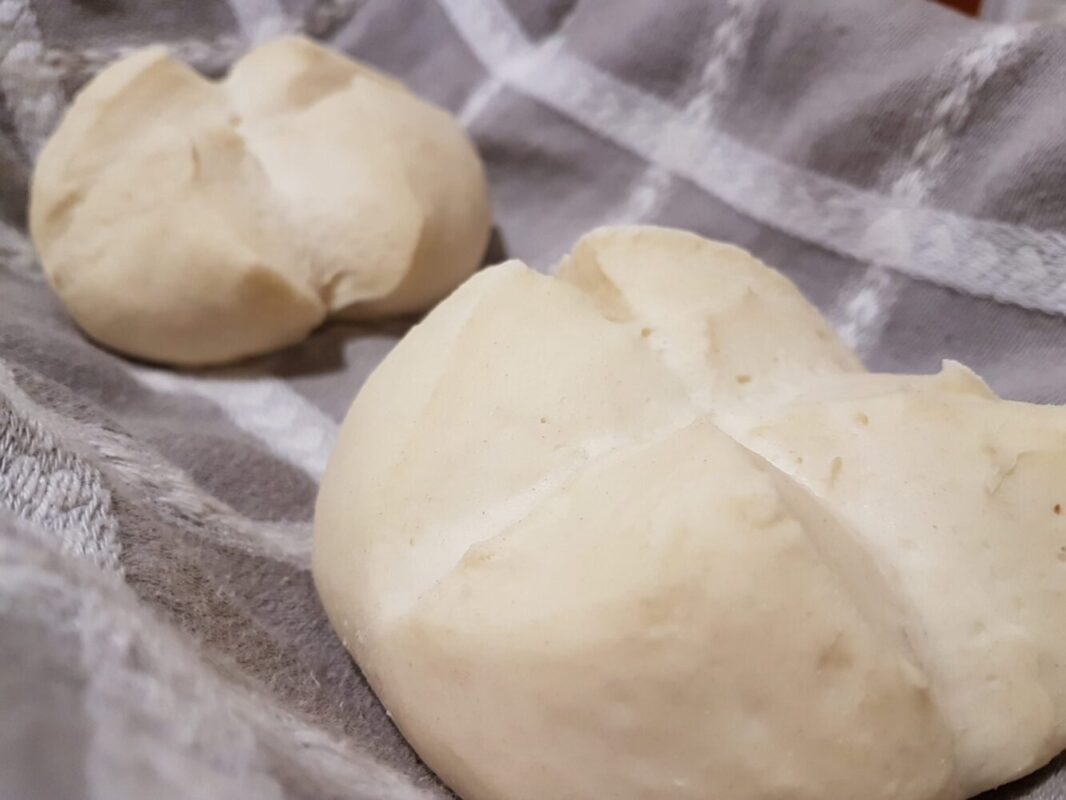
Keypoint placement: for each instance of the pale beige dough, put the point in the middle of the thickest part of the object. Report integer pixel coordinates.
(648, 529)
(188, 221)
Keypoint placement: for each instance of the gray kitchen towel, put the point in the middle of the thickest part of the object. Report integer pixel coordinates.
(159, 633)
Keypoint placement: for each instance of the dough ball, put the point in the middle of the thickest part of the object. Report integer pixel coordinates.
(648, 529)
(188, 221)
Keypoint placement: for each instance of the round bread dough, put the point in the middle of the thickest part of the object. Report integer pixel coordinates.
(193, 222)
(647, 529)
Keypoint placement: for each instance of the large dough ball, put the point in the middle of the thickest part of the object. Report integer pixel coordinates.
(192, 222)
(647, 529)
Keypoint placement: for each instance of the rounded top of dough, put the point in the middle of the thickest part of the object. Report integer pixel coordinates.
(189, 221)
(648, 529)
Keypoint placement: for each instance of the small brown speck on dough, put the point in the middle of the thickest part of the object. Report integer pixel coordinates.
(834, 469)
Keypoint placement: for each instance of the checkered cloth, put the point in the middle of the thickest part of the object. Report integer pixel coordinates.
(159, 632)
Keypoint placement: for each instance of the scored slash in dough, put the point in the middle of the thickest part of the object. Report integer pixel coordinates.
(648, 529)
(189, 221)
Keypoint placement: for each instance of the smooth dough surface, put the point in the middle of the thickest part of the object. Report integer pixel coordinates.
(189, 221)
(647, 529)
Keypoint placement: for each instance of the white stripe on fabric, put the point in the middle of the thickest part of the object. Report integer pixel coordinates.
(480, 99)
(644, 200)
(32, 89)
(728, 42)
(864, 308)
(170, 487)
(1010, 263)
(260, 20)
(968, 76)
(728, 45)
(266, 408)
(493, 84)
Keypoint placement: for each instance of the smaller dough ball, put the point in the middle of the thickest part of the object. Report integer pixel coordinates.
(194, 222)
